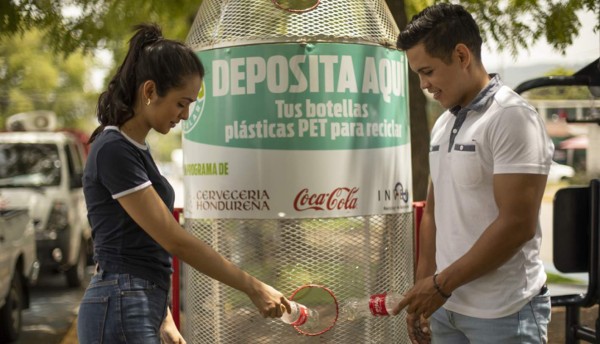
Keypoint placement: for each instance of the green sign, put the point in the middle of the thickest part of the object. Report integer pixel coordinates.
(321, 96)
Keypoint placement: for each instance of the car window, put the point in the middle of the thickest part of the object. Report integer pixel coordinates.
(77, 154)
(29, 165)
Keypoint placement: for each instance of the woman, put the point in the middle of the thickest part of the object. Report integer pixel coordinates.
(130, 204)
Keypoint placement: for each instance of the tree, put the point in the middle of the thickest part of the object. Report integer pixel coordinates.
(101, 23)
(509, 24)
(85, 25)
(33, 78)
(47, 48)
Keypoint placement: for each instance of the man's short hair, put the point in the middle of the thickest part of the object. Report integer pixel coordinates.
(441, 27)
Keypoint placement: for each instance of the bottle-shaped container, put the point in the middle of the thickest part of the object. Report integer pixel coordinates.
(297, 96)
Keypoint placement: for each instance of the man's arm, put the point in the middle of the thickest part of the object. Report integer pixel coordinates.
(418, 326)
(518, 197)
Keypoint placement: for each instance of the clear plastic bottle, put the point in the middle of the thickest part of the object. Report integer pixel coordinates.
(374, 305)
(305, 318)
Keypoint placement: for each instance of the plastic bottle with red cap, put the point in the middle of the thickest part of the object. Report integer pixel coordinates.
(301, 316)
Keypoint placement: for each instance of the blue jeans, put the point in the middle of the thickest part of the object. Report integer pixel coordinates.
(529, 325)
(120, 308)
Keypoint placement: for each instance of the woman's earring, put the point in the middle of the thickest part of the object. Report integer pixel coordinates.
(148, 102)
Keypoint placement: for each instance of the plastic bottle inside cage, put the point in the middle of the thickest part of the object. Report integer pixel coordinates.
(374, 305)
(302, 316)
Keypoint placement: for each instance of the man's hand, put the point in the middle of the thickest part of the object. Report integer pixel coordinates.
(418, 329)
(423, 299)
(420, 302)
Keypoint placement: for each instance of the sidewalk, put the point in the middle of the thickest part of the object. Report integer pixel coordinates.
(71, 335)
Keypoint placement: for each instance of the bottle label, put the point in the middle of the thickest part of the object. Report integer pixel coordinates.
(302, 316)
(377, 305)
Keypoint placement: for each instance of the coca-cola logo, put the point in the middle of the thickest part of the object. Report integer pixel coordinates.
(377, 305)
(342, 198)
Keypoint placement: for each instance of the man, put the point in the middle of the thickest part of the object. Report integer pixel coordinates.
(479, 277)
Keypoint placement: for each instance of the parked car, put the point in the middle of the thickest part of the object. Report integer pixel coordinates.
(559, 172)
(42, 170)
(18, 268)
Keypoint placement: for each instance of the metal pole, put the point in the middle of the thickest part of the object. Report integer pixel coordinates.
(175, 311)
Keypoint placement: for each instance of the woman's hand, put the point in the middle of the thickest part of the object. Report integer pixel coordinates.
(270, 302)
(169, 334)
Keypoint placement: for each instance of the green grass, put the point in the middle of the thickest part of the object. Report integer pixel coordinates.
(559, 279)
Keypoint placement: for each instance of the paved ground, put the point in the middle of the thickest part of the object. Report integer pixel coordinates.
(556, 330)
(52, 310)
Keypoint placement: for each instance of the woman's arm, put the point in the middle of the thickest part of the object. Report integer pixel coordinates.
(149, 211)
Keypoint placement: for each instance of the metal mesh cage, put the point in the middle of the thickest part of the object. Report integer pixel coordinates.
(354, 257)
(222, 23)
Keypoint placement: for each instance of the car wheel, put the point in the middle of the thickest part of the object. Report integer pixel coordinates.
(76, 273)
(10, 313)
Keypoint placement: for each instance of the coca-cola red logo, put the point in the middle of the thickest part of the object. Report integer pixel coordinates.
(377, 304)
(341, 198)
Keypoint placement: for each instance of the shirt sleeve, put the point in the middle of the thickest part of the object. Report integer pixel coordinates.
(519, 142)
(121, 169)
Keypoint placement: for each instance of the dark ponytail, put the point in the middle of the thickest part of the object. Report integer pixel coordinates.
(150, 57)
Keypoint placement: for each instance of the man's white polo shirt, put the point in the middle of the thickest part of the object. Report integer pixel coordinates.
(500, 134)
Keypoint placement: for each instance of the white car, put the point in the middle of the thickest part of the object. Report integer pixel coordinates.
(41, 171)
(18, 268)
(560, 172)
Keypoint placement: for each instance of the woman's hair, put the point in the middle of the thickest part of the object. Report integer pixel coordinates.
(440, 28)
(150, 57)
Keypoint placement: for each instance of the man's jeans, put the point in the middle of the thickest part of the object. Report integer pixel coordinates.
(121, 308)
(529, 325)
